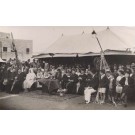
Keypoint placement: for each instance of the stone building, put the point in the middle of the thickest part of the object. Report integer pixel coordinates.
(24, 47)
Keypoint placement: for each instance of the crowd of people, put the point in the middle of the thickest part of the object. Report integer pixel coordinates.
(116, 85)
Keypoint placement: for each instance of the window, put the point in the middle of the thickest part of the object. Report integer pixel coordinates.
(27, 50)
(4, 49)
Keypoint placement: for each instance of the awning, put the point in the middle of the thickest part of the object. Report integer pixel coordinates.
(2, 61)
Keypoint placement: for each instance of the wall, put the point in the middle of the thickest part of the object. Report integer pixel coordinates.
(21, 45)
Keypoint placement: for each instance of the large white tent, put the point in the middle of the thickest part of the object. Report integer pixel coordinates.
(86, 44)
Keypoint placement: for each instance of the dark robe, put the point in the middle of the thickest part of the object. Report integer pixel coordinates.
(82, 84)
(128, 89)
(11, 78)
(94, 82)
(18, 84)
(71, 86)
(58, 76)
(1, 79)
(104, 82)
(4, 77)
(64, 81)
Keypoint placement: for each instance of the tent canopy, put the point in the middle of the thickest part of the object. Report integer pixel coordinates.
(85, 43)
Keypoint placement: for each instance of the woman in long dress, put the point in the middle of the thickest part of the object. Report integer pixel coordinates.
(30, 80)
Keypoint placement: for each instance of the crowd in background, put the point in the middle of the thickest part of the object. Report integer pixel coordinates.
(115, 86)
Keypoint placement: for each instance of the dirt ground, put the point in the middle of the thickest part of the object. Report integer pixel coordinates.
(37, 101)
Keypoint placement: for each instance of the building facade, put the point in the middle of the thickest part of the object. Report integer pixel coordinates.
(24, 47)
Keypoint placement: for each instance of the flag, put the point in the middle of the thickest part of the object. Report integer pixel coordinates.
(13, 49)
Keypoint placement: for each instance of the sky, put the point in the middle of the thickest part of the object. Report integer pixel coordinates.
(44, 36)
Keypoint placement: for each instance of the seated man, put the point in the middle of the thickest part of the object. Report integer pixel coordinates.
(92, 86)
(64, 80)
(11, 74)
(30, 80)
(17, 85)
(71, 86)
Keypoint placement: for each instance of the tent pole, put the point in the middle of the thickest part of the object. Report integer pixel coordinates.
(103, 63)
(99, 44)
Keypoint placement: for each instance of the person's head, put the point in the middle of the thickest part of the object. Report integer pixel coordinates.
(73, 71)
(121, 72)
(59, 70)
(19, 71)
(111, 76)
(129, 70)
(88, 71)
(115, 67)
(93, 71)
(31, 71)
(78, 70)
(133, 67)
(82, 71)
(108, 73)
(102, 72)
(88, 66)
(127, 74)
(128, 66)
(120, 66)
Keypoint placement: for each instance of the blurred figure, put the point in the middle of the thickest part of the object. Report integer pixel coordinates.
(127, 84)
(72, 85)
(82, 80)
(118, 85)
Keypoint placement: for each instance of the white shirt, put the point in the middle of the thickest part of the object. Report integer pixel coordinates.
(126, 81)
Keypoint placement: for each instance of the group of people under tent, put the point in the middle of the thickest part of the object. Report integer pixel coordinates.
(116, 86)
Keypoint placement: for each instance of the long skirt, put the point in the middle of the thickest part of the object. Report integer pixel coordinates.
(8, 86)
(28, 83)
(64, 84)
(17, 87)
(71, 88)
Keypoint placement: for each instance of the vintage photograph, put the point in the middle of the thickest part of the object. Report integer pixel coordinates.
(67, 68)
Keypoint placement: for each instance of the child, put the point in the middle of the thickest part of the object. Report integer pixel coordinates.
(112, 89)
(103, 83)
